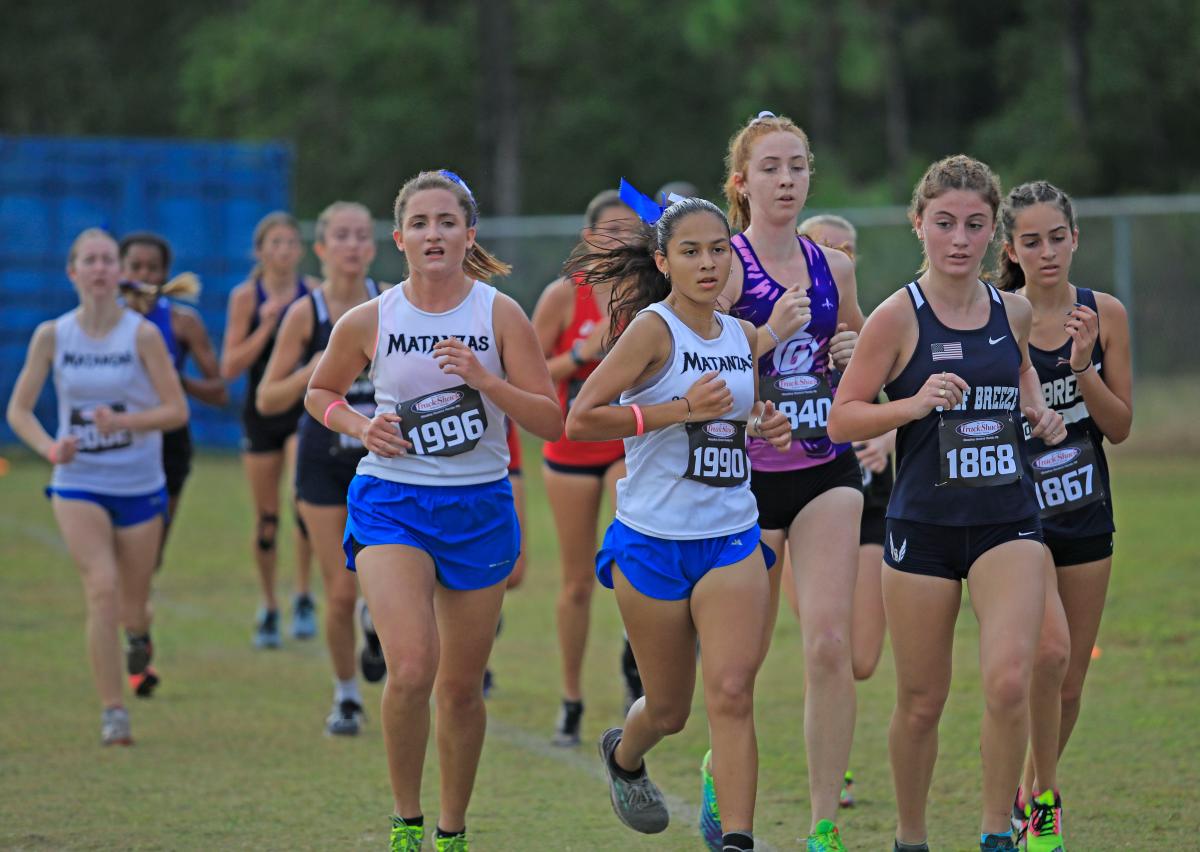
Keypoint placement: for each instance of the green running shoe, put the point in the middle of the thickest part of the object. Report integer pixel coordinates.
(846, 797)
(405, 837)
(453, 843)
(1045, 832)
(710, 814)
(825, 838)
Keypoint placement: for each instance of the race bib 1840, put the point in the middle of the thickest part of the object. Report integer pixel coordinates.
(443, 423)
(804, 398)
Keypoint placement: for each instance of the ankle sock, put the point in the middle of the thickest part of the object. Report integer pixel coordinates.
(737, 841)
(625, 774)
(441, 832)
(346, 690)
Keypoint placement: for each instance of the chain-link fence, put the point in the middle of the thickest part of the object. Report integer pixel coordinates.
(1142, 249)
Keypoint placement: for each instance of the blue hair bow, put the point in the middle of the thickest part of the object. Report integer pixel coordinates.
(646, 208)
(451, 176)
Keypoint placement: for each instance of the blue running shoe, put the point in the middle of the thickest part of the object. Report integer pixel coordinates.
(710, 814)
(266, 629)
(304, 617)
(996, 842)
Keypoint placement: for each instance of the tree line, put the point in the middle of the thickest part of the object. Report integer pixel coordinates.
(541, 104)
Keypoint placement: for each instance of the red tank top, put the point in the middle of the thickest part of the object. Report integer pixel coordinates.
(580, 453)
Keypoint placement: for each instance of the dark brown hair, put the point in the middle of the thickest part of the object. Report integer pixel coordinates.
(1009, 275)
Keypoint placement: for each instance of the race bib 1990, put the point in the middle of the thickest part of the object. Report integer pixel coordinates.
(978, 450)
(804, 398)
(717, 453)
(443, 423)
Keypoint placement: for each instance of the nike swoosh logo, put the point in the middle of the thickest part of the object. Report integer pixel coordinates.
(996, 340)
(1031, 532)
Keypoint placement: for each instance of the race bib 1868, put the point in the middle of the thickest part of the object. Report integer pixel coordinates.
(443, 423)
(804, 398)
(717, 453)
(978, 450)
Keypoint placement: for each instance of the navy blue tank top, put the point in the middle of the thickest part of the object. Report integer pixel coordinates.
(315, 441)
(989, 360)
(160, 315)
(259, 367)
(1061, 392)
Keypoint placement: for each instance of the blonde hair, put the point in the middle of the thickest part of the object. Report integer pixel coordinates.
(141, 296)
(87, 234)
(332, 210)
(737, 159)
(264, 226)
(479, 262)
(832, 220)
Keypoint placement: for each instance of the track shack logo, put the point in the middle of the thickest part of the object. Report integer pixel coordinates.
(979, 428)
(1054, 459)
(437, 401)
(798, 384)
(720, 429)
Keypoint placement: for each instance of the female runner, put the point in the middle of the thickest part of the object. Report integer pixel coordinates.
(255, 309)
(431, 527)
(1079, 346)
(951, 351)
(803, 300)
(326, 461)
(684, 554)
(145, 268)
(116, 394)
(571, 321)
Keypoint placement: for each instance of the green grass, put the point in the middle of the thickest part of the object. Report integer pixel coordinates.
(231, 754)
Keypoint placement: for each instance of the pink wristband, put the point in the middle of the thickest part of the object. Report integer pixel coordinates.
(637, 419)
(330, 408)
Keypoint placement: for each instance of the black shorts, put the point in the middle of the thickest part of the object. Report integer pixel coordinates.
(268, 434)
(599, 471)
(936, 550)
(874, 521)
(1077, 551)
(324, 481)
(177, 458)
(781, 495)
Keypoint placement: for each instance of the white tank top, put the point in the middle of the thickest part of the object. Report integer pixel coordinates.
(692, 481)
(91, 371)
(457, 433)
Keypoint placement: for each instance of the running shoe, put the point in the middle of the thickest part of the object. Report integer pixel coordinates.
(638, 802)
(374, 667)
(114, 727)
(138, 653)
(489, 683)
(996, 842)
(846, 797)
(897, 846)
(825, 838)
(143, 684)
(405, 837)
(1045, 823)
(566, 731)
(266, 629)
(453, 843)
(346, 718)
(304, 617)
(710, 814)
(1020, 817)
(631, 675)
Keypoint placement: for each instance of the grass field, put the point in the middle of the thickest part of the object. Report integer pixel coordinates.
(230, 753)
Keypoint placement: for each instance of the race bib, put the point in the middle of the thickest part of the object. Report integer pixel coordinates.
(804, 398)
(978, 450)
(444, 423)
(84, 430)
(1067, 478)
(717, 453)
(350, 445)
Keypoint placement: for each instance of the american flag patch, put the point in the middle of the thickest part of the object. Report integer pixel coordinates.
(946, 351)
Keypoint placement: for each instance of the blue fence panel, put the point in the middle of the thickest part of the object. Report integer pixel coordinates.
(205, 197)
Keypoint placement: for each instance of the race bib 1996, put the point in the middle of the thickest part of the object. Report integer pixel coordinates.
(443, 423)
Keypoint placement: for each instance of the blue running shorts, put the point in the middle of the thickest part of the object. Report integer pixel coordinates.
(667, 569)
(125, 511)
(470, 531)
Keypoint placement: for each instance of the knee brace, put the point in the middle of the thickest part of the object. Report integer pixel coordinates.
(268, 526)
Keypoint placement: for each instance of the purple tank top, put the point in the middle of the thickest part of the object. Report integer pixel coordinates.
(806, 351)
